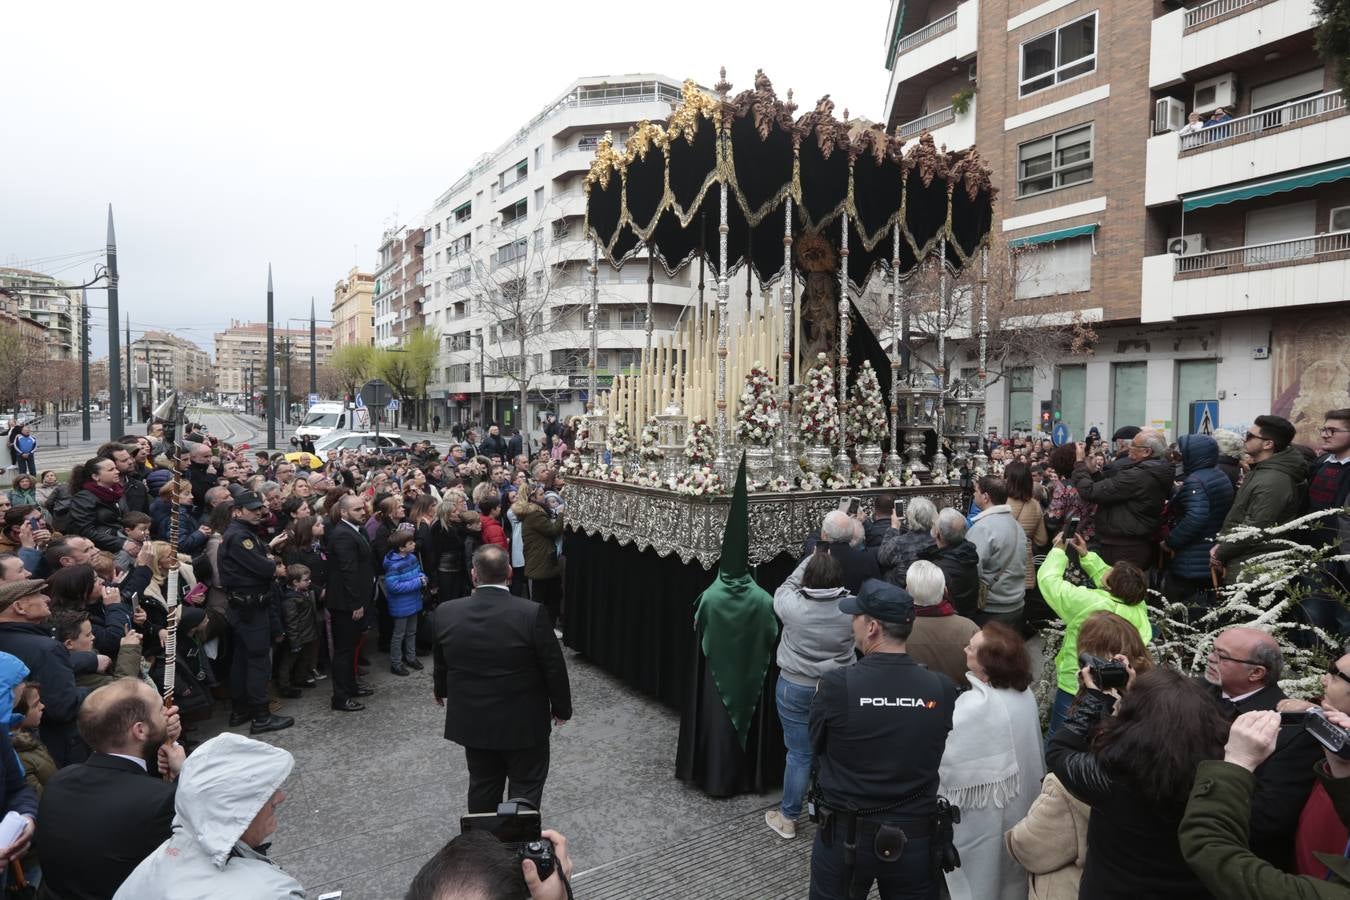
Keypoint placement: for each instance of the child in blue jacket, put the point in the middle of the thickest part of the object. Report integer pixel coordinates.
(403, 583)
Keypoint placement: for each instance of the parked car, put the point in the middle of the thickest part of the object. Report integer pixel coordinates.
(365, 441)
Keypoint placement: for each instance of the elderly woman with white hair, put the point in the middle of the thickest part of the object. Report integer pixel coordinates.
(940, 635)
(902, 546)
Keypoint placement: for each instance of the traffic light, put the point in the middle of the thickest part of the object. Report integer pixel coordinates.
(1047, 413)
(1056, 410)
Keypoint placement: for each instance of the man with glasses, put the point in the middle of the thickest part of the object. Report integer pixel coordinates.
(1272, 492)
(1243, 672)
(1129, 498)
(1320, 831)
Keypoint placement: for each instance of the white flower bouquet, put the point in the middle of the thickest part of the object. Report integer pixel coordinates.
(867, 413)
(698, 444)
(819, 421)
(757, 418)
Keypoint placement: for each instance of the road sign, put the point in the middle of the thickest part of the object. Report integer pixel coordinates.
(1204, 416)
(360, 403)
(313, 399)
(1060, 436)
(392, 405)
(375, 393)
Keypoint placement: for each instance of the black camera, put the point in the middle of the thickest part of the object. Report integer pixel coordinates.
(1327, 733)
(541, 851)
(1106, 673)
(517, 825)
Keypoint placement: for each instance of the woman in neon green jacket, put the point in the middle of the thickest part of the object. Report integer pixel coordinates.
(1120, 589)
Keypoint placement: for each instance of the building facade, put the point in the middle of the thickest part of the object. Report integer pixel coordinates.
(241, 358)
(53, 305)
(1213, 262)
(504, 256)
(399, 291)
(175, 363)
(354, 309)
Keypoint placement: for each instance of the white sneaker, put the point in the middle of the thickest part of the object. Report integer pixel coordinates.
(782, 826)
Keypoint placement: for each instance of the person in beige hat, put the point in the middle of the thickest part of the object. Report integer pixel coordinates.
(24, 609)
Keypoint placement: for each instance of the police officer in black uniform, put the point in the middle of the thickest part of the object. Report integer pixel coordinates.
(878, 728)
(249, 579)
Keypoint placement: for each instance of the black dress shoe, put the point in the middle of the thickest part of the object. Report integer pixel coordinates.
(289, 693)
(348, 705)
(398, 669)
(414, 663)
(272, 722)
(364, 691)
(237, 719)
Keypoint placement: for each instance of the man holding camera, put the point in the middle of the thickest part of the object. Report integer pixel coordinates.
(879, 728)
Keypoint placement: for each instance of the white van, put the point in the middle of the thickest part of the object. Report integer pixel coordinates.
(322, 418)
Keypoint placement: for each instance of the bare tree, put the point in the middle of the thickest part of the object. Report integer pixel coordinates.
(328, 381)
(16, 362)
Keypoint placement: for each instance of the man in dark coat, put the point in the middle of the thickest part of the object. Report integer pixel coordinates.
(1120, 449)
(1130, 501)
(1196, 515)
(111, 811)
(876, 527)
(201, 475)
(24, 610)
(351, 587)
(859, 563)
(1329, 488)
(1273, 492)
(500, 674)
(958, 559)
(1243, 674)
(494, 444)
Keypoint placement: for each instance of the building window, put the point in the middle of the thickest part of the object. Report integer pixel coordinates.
(1019, 399)
(635, 318)
(515, 175)
(511, 252)
(1047, 270)
(514, 213)
(1067, 52)
(1056, 161)
(463, 211)
(460, 245)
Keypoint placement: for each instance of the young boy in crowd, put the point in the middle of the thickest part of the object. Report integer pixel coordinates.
(38, 765)
(403, 584)
(137, 528)
(72, 629)
(302, 634)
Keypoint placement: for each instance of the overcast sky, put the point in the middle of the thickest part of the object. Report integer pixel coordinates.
(228, 136)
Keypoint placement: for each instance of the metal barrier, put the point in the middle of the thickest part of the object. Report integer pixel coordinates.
(1263, 254)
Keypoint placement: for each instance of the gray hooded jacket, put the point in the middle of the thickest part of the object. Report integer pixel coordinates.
(817, 637)
(221, 788)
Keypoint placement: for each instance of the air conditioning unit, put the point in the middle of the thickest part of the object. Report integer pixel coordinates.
(1186, 245)
(1169, 114)
(1212, 93)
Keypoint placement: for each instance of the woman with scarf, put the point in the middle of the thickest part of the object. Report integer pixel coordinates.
(992, 766)
(95, 510)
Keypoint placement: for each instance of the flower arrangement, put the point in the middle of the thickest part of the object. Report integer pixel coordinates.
(698, 444)
(581, 426)
(779, 485)
(832, 482)
(940, 476)
(820, 407)
(810, 481)
(757, 417)
(648, 478)
(648, 448)
(867, 412)
(618, 440)
(861, 479)
(890, 480)
(700, 481)
(912, 478)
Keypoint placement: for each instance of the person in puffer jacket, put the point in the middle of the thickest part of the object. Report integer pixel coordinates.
(1195, 514)
(817, 638)
(403, 584)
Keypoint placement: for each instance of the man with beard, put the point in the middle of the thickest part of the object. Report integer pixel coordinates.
(102, 817)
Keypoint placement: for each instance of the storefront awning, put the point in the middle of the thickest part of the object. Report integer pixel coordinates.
(1267, 187)
(1049, 236)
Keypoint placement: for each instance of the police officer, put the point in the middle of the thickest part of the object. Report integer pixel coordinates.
(249, 577)
(878, 728)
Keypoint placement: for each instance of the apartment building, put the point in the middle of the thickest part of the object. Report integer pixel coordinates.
(174, 362)
(354, 309)
(504, 249)
(241, 357)
(399, 293)
(1214, 264)
(49, 302)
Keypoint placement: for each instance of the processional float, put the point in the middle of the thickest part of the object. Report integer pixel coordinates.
(812, 208)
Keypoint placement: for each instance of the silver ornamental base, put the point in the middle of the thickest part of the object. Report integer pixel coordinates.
(817, 458)
(914, 450)
(618, 461)
(869, 457)
(759, 463)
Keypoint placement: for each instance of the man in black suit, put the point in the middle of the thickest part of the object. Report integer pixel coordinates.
(1243, 672)
(102, 817)
(350, 590)
(500, 674)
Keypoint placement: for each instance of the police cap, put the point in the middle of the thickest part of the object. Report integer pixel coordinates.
(882, 601)
(247, 500)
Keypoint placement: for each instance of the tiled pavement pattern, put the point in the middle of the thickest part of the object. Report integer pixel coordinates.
(374, 794)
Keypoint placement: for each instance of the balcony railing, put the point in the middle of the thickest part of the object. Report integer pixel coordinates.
(1208, 12)
(916, 127)
(1265, 254)
(586, 145)
(925, 34)
(1266, 120)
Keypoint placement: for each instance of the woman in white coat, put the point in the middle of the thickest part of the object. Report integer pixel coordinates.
(992, 767)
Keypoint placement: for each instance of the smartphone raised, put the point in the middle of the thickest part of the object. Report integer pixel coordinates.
(1070, 528)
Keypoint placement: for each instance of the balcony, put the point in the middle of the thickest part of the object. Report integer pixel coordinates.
(1311, 132)
(925, 34)
(948, 128)
(939, 45)
(1299, 272)
(1186, 40)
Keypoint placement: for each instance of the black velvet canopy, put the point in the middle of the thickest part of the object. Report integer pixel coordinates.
(662, 190)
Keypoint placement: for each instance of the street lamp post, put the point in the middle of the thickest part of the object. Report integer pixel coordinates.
(270, 406)
(114, 351)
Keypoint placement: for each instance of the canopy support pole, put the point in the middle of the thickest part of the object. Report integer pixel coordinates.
(722, 464)
(940, 368)
(591, 321)
(982, 410)
(787, 298)
(842, 466)
(651, 281)
(894, 461)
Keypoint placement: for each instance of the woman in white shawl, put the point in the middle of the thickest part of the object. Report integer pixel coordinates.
(992, 767)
